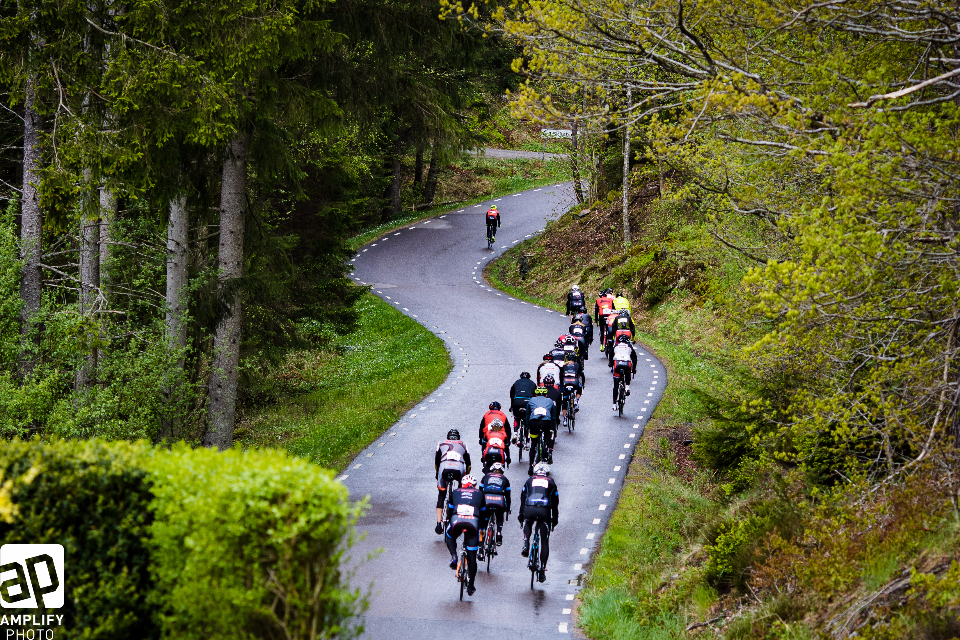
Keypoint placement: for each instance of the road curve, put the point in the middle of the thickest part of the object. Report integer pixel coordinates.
(432, 271)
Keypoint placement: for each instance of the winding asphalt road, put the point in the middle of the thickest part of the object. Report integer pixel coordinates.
(432, 271)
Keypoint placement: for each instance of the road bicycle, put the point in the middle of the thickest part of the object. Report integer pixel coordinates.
(533, 561)
(520, 424)
(452, 484)
(490, 238)
(569, 404)
(538, 450)
(490, 540)
(462, 573)
(621, 394)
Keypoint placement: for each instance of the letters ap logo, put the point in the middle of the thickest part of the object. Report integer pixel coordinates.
(31, 576)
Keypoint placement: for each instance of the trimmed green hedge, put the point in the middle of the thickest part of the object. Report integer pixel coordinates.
(185, 543)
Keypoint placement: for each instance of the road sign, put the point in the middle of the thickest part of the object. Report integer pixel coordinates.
(556, 133)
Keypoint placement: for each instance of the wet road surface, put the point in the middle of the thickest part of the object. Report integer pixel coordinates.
(432, 271)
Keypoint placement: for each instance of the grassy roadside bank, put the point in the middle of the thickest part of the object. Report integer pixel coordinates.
(646, 580)
(331, 402)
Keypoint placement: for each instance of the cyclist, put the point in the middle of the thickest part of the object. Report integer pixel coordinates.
(575, 301)
(496, 491)
(553, 392)
(493, 223)
(540, 504)
(579, 332)
(571, 348)
(602, 308)
(621, 302)
(520, 392)
(452, 460)
(468, 515)
(587, 321)
(558, 352)
(542, 415)
(625, 362)
(495, 443)
(546, 368)
(493, 415)
(571, 382)
(622, 325)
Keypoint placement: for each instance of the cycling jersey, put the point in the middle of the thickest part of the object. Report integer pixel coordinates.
(575, 302)
(489, 419)
(549, 367)
(496, 491)
(621, 303)
(540, 492)
(603, 307)
(541, 409)
(451, 455)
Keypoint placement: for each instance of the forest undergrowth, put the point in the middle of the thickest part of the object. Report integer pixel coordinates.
(714, 535)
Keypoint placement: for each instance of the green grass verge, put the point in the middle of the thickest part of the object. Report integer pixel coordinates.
(362, 384)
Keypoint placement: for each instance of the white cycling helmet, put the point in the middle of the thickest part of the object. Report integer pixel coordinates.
(468, 481)
(575, 287)
(541, 469)
(496, 467)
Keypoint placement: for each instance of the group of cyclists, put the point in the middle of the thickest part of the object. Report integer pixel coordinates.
(539, 408)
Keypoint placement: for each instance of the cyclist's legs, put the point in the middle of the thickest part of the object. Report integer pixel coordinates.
(471, 540)
(491, 229)
(620, 370)
(543, 525)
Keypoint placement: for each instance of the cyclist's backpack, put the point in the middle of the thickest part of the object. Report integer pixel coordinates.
(576, 299)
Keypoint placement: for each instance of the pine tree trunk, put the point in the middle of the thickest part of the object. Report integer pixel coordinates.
(433, 174)
(31, 228)
(574, 163)
(89, 278)
(418, 167)
(226, 343)
(108, 211)
(626, 174)
(178, 227)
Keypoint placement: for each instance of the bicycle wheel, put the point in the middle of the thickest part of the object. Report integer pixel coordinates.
(572, 417)
(621, 398)
(570, 413)
(534, 562)
(462, 573)
(490, 542)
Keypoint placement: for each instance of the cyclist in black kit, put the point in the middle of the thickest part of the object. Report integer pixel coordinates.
(468, 515)
(540, 504)
(496, 491)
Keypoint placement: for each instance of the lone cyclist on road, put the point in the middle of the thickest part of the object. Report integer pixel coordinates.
(493, 223)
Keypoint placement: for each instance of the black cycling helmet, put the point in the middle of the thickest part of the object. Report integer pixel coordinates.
(525, 374)
(546, 356)
(623, 338)
(453, 434)
(540, 390)
(623, 313)
(620, 294)
(495, 406)
(549, 379)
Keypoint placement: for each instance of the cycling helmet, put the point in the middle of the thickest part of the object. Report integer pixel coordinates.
(468, 481)
(575, 288)
(540, 469)
(549, 379)
(570, 340)
(453, 434)
(558, 343)
(540, 390)
(525, 375)
(496, 467)
(546, 356)
(623, 313)
(493, 206)
(623, 338)
(620, 294)
(495, 406)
